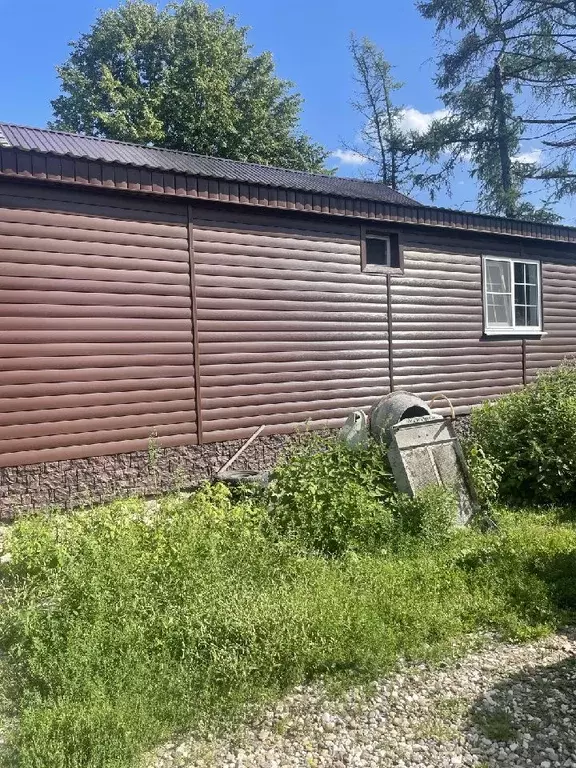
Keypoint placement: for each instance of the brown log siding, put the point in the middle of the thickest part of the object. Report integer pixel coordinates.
(95, 345)
(290, 330)
(559, 341)
(437, 332)
(97, 328)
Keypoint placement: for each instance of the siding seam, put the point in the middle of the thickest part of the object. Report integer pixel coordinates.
(194, 317)
(390, 344)
(524, 375)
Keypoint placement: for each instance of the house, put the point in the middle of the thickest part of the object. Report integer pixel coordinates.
(161, 305)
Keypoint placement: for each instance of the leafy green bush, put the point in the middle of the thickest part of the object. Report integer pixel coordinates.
(332, 499)
(531, 434)
(485, 474)
(125, 623)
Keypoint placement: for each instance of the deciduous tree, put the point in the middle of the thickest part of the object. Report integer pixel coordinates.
(183, 77)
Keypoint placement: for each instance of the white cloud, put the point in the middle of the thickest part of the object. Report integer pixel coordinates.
(531, 156)
(349, 157)
(419, 122)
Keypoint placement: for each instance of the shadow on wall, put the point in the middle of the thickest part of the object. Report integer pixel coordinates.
(529, 719)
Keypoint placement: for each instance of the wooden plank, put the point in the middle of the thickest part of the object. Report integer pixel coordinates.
(32, 350)
(134, 357)
(374, 344)
(289, 367)
(314, 357)
(306, 283)
(320, 398)
(231, 387)
(40, 258)
(47, 245)
(22, 294)
(43, 338)
(212, 330)
(31, 312)
(252, 421)
(111, 324)
(257, 257)
(82, 200)
(66, 227)
(88, 286)
(30, 383)
(290, 238)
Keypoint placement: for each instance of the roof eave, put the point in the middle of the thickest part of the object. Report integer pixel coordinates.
(47, 166)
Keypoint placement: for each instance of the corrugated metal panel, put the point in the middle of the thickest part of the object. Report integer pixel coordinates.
(289, 328)
(93, 148)
(95, 327)
(437, 332)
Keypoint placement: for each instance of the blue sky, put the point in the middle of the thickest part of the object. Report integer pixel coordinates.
(309, 40)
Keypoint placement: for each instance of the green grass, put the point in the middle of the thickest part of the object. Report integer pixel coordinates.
(122, 628)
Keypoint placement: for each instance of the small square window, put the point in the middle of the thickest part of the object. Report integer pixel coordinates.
(381, 252)
(378, 251)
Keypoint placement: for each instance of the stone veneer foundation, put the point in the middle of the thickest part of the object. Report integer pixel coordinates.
(77, 482)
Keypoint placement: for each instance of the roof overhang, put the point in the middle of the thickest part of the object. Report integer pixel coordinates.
(50, 167)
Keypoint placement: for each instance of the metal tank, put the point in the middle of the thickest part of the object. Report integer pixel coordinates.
(392, 409)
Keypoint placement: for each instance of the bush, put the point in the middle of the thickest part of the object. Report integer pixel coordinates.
(531, 434)
(485, 473)
(125, 624)
(333, 499)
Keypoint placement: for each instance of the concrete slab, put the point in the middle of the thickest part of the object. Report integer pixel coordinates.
(425, 451)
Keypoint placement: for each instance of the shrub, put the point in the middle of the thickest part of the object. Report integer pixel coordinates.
(531, 434)
(331, 498)
(485, 473)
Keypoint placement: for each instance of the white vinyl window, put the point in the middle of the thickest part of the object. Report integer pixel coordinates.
(511, 296)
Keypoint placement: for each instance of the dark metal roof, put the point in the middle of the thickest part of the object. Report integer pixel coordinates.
(93, 148)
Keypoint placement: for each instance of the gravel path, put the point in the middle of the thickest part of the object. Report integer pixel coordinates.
(505, 705)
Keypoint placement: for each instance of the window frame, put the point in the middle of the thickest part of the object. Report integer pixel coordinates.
(513, 330)
(395, 251)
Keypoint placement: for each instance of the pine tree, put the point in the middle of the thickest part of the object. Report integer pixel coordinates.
(483, 74)
(383, 140)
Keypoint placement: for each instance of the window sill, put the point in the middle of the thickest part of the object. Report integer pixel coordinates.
(517, 333)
